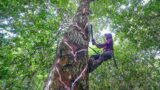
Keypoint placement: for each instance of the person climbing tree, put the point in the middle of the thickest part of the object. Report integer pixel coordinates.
(96, 60)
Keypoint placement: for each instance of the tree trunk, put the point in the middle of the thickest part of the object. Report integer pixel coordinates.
(70, 72)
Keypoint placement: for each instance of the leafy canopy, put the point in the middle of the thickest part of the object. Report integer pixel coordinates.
(30, 32)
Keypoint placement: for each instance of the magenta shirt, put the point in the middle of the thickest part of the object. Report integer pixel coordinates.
(107, 46)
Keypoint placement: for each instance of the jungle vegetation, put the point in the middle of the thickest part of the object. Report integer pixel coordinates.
(31, 30)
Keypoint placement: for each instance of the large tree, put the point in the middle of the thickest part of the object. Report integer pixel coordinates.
(70, 69)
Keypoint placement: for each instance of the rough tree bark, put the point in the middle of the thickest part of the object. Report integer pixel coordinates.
(70, 71)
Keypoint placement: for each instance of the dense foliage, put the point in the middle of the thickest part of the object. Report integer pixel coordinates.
(31, 31)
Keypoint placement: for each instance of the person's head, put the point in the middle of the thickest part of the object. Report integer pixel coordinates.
(108, 36)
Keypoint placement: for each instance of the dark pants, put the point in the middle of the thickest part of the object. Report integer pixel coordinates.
(96, 60)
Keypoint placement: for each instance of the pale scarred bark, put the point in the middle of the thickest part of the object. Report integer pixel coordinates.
(70, 72)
